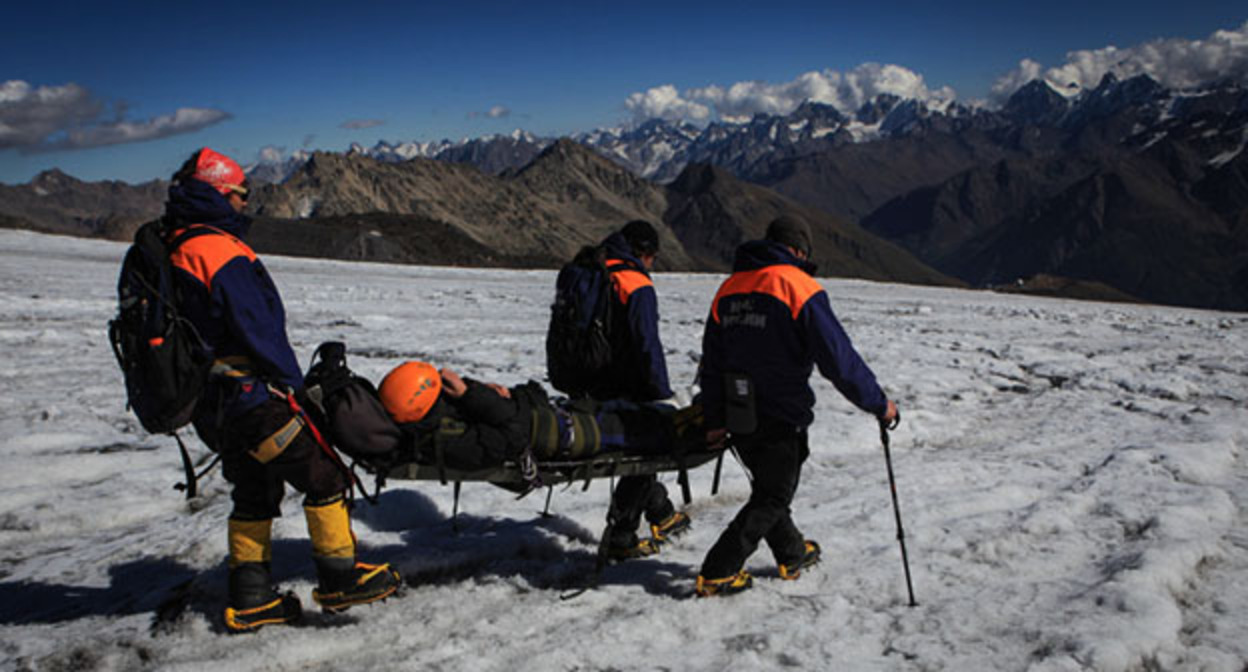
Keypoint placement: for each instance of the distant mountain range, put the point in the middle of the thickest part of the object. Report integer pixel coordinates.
(566, 197)
(1129, 186)
(58, 203)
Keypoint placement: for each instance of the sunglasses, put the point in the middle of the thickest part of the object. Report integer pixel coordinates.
(241, 189)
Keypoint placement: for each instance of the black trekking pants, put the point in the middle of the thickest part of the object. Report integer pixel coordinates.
(634, 496)
(774, 459)
(259, 487)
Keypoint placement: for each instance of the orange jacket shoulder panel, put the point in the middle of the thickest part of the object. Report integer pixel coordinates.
(627, 281)
(203, 256)
(788, 284)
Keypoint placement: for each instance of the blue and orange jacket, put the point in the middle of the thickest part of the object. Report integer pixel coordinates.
(230, 298)
(772, 321)
(638, 368)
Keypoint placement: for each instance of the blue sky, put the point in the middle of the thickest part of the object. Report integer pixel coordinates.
(95, 89)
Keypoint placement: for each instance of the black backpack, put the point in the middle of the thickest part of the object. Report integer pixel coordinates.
(348, 408)
(578, 341)
(163, 358)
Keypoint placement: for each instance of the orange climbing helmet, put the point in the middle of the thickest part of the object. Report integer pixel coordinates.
(410, 390)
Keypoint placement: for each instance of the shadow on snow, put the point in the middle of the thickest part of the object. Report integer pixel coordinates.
(548, 552)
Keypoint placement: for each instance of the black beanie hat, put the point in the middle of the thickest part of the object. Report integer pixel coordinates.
(642, 237)
(788, 231)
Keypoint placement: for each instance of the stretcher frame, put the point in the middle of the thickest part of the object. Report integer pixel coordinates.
(510, 475)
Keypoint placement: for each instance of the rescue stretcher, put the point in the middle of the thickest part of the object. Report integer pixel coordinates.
(514, 477)
(362, 430)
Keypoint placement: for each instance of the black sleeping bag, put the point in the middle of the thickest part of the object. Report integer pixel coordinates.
(483, 429)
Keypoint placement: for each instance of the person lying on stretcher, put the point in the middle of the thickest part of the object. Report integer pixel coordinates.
(473, 425)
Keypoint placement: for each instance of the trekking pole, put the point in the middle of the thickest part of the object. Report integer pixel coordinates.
(885, 426)
(748, 475)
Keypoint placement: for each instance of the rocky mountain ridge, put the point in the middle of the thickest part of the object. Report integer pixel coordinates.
(427, 211)
(570, 196)
(59, 203)
(1129, 184)
(658, 149)
(565, 198)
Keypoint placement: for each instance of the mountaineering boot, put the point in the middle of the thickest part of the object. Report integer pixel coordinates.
(810, 556)
(673, 526)
(253, 603)
(252, 600)
(343, 581)
(342, 588)
(729, 585)
(637, 548)
(621, 543)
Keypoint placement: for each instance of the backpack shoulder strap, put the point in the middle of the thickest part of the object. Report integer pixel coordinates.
(192, 231)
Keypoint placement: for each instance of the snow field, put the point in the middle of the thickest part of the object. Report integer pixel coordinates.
(1070, 478)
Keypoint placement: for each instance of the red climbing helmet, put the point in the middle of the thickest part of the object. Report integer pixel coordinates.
(222, 172)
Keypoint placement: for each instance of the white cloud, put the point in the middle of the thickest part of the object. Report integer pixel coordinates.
(271, 154)
(1014, 80)
(665, 102)
(50, 118)
(495, 112)
(1174, 62)
(738, 102)
(361, 124)
(28, 115)
(185, 120)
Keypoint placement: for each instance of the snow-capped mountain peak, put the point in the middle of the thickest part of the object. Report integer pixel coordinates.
(659, 149)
